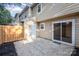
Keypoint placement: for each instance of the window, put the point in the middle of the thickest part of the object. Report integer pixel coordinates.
(42, 26)
(39, 8)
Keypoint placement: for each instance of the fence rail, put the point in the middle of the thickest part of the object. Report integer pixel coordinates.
(10, 33)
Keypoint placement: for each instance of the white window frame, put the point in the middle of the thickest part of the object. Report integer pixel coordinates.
(43, 25)
(37, 9)
(73, 32)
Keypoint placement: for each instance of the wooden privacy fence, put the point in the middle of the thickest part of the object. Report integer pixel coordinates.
(10, 33)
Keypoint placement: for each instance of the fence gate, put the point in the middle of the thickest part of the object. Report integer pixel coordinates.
(10, 33)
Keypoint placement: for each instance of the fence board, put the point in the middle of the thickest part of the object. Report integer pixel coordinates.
(10, 33)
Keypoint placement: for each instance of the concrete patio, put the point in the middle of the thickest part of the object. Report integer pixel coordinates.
(42, 47)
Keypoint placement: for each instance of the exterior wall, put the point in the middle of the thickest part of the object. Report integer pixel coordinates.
(77, 31)
(47, 33)
(52, 10)
(24, 16)
(16, 19)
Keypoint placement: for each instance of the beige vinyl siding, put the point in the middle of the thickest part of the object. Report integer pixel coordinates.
(47, 33)
(77, 31)
(37, 29)
(52, 10)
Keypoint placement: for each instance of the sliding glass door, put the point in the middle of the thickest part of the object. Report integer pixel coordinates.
(63, 31)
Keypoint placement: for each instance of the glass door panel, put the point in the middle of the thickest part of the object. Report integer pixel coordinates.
(67, 32)
(57, 31)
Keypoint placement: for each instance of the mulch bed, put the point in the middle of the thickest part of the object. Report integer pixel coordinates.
(75, 52)
(7, 49)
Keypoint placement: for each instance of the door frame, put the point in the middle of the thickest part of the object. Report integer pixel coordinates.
(32, 30)
(73, 31)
